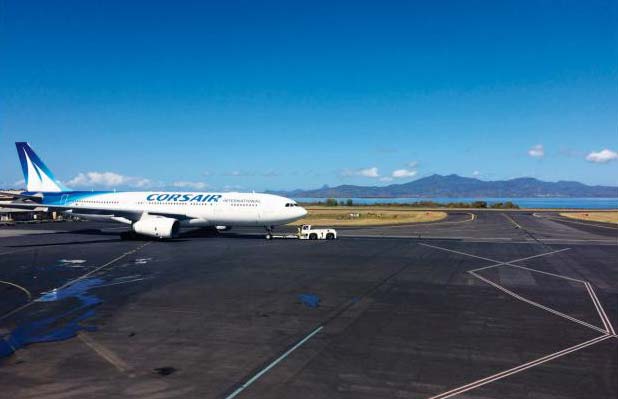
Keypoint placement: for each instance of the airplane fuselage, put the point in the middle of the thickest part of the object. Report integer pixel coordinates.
(190, 208)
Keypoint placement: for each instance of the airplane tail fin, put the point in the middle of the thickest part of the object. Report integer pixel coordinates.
(37, 175)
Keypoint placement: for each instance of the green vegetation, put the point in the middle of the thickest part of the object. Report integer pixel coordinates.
(421, 204)
(505, 205)
(331, 202)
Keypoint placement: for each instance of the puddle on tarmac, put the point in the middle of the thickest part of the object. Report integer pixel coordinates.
(58, 327)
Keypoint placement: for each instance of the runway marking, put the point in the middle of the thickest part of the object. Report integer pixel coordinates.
(273, 364)
(520, 368)
(124, 255)
(606, 321)
(510, 219)
(548, 273)
(472, 218)
(608, 331)
(566, 220)
(459, 252)
(18, 287)
(501, 240)
(342, 309)
(103, 352)
(510, 263)
(536, 304)
(124, 282)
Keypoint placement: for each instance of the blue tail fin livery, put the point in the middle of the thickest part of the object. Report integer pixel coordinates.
(37, 175)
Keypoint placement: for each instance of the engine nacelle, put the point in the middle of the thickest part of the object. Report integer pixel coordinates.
(157, 226)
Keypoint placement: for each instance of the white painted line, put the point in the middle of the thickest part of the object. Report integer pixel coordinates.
(510, 219)
(606, 321)
(510, 262)
(103, 266)
(124, 282)
(460, 253)
(423, 236)
(548, 273)
(501, 240)
(596, 305)
(536, 304)
(583, 223)
(519, 368)
(273, 364)
(607, 333)
(4, 316)
(497, 262)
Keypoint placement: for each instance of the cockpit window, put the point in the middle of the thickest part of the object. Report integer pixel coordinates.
(289, 204)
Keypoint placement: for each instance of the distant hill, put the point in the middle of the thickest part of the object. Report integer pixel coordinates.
(457, 186)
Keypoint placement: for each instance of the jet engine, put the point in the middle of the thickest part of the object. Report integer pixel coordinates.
(157, 226)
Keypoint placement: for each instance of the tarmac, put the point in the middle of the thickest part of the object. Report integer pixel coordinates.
(480, 305)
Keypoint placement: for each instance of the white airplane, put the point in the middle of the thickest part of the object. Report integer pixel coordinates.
(153, 213)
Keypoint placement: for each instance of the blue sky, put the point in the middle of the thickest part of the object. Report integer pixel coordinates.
(282, 95)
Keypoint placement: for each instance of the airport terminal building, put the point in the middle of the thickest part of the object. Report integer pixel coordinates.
(12, 215)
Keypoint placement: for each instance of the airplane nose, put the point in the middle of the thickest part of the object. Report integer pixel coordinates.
(303, 211)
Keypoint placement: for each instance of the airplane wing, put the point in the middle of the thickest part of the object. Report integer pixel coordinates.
(29, 202)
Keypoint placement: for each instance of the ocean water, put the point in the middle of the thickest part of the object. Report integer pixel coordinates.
(537, 202)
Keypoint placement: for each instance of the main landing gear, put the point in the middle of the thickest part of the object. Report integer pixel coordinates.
(269, 232)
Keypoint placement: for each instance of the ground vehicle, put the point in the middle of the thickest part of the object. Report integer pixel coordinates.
(305, 232)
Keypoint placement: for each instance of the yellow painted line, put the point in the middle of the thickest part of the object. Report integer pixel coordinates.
(472, 218)
(18, 287)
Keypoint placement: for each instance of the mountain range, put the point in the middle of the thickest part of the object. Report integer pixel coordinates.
(458, 186)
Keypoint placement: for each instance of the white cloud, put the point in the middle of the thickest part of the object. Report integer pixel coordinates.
(401, 173)
(537, 151)
(239, 173)
(366, 172)
(108, 179)
(602, 156)
(386, 178)
(412, 164)
(476, 173)
(195, 185)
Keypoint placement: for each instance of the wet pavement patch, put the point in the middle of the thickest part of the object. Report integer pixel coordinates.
(309, 300)
(72, 262)
(59, 326)
(163, 371)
